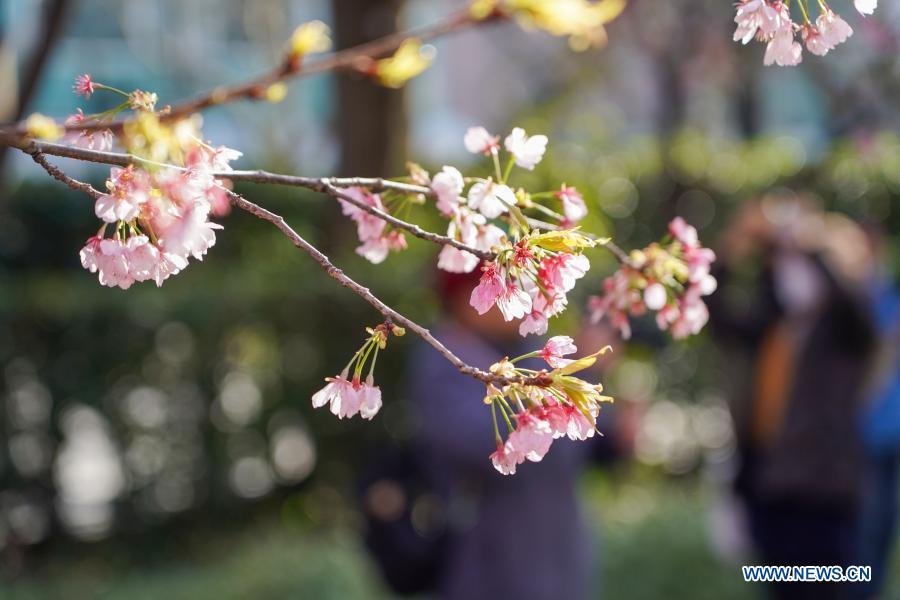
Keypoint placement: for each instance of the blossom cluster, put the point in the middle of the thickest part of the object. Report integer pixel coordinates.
(530, 279)
(545, 406)
(670, 278)
(156, 214)
(159, 219)
(376, 236)
(770, 22)
(349, 394)
(531, 272)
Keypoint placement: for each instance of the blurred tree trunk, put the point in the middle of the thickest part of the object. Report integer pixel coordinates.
(371, 123)
(54, 18)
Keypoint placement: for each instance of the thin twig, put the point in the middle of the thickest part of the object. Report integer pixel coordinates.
(323, 185)
(356, 58)
(57, 174)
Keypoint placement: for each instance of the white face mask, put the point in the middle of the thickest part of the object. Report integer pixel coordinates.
(799, 283)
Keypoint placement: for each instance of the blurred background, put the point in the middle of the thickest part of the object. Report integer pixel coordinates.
(161, 443)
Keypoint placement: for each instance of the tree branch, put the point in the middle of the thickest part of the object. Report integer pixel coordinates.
(323, 185)
(329, 267)
(356, 58)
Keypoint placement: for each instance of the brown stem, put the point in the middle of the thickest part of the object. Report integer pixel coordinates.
(349, 59)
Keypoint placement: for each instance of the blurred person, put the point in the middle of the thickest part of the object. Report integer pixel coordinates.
(792, 305)
(521, 536)
(880, 424)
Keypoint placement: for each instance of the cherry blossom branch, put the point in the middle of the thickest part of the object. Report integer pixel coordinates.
(333, 271)
(324, 185)
(355, 58)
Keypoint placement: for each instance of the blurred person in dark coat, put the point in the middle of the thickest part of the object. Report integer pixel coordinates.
(522, 536)
(792, 304)
(881, 430)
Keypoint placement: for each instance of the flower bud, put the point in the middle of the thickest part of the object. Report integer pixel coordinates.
(43, 127)
(309, 38)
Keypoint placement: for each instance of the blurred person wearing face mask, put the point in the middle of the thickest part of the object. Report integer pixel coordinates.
(792, 304)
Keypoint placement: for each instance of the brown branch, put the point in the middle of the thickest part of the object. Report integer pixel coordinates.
(57, 174)
(333, 271)
(356, 58)
(361, 291)
(323, 185)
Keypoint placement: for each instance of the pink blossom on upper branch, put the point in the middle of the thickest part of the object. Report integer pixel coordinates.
(101, 140)
(670, 278)
(770, 22)
(84, 86)
(783, 50)
(128, 189)
(160, 219)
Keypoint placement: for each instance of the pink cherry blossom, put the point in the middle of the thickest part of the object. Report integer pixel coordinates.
(107, 258)
(783, 50)
(448, 185)
(129, 188)
(513, 302)
(472, 230)
(535, 322)
(557, 347)
(684, 233)
(755, 16)
(579, 426)
(563, 270)
(655, 296)
(491, 199)
(188, 234)
(865, 7)
(454, 260)
(349, 398)
(527, 151)
(84, 86)
(202, 161)
(370, 400)
(376, 243)
(368, 226)
(489, 289)
(101, 140)
(478, 141)
(505, 459)
(342, 396)
(532, 437)
(833, 29)
(573, 206)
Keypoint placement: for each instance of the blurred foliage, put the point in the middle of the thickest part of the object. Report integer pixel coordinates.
(198, 384)
(271, 560)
